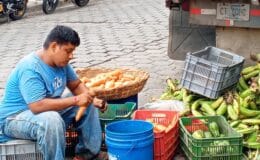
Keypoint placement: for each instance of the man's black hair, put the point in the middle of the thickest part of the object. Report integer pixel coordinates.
(62, 35)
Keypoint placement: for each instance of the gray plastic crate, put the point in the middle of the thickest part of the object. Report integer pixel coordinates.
(209, 72)
(20, 150)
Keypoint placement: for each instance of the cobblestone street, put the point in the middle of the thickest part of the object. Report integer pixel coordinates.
(113, 33)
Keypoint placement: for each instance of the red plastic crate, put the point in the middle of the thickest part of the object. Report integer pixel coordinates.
(196, 124)
(165, 143)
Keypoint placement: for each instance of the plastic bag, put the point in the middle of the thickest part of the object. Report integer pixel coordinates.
(172, 105)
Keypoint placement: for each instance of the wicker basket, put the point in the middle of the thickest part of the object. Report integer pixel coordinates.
(119, 92)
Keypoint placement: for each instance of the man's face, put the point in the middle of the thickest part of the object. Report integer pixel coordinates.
(63, 54)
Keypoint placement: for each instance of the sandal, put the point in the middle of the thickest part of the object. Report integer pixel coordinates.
(78, 158)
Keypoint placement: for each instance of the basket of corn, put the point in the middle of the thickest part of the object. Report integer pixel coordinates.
(112, 84)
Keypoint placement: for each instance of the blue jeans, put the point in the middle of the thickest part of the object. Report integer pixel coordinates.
(48, 129)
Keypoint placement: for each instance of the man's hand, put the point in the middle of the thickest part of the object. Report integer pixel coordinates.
(88, 99)
(101, 104)
(84, 99)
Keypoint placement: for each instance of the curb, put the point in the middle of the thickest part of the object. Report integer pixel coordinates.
(34, 7)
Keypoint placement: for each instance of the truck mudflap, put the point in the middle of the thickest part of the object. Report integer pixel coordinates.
(185, 37)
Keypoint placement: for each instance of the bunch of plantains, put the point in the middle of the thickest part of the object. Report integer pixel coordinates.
(240, 106)
(248, 123)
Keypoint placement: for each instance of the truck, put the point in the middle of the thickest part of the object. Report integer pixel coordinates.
(232, 25)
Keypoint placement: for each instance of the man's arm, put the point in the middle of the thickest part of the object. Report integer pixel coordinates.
(33, 90)
(81, 98)
(50, 104)
(77, 87)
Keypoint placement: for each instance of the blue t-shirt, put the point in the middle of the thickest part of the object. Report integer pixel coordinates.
(33, 80)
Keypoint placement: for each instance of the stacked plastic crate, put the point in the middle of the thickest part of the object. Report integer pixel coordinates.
(71, 136)
(210, 72)
(28, 150)
(229, 146)
(20, 149)
(115, 112)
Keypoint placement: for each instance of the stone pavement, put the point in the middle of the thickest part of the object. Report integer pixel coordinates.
(114, 33)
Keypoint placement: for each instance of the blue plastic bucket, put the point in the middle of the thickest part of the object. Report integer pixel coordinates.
(130, 140)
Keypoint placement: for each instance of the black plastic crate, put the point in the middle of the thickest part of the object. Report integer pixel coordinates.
(71, 140)
(211, 71)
